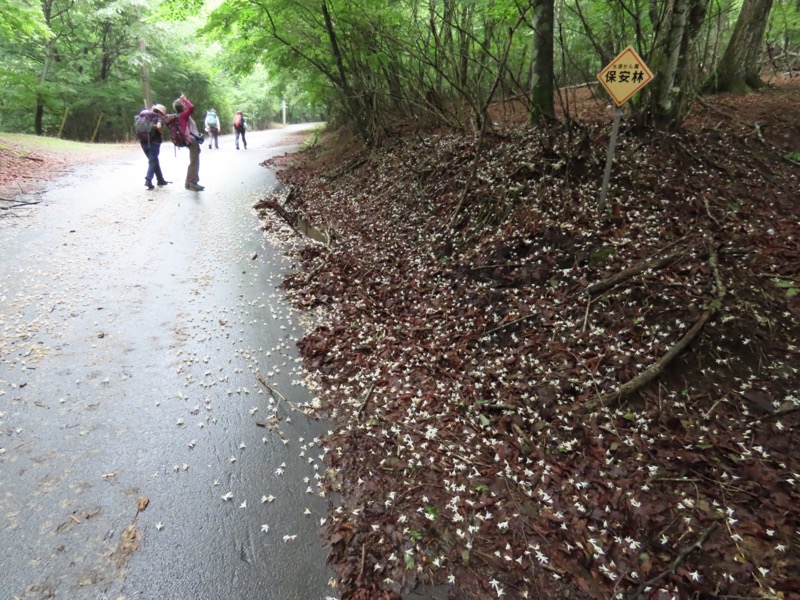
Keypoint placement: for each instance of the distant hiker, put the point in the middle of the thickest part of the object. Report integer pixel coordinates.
(212, 127)
(148, 124)
(184, 108)
(239, 125)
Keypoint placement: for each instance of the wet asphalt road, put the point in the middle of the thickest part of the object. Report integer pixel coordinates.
(133, 329)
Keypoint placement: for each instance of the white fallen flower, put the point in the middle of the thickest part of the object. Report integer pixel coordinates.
(227, 496)
(265, 528)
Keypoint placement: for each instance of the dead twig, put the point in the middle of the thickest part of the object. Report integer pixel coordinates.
(366, 399)
(509, 324)
(602, 286)
(698, 545)
(275, 393)
(775, 415)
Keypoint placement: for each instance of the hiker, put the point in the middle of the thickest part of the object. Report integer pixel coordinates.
(239, 125)
(212, 128)
(184, 108)
(151, 144)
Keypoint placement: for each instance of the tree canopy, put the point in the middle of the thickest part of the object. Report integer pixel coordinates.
(82, 69)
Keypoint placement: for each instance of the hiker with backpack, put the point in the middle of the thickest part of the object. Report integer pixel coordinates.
(239, 125)
(192, 138)
(148, 125)
(212, 128)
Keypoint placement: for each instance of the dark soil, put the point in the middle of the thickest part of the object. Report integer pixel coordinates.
(537, 400)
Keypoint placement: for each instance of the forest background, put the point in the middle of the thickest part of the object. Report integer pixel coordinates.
(79, 70)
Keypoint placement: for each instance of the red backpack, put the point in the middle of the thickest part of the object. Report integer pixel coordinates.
(175, 132)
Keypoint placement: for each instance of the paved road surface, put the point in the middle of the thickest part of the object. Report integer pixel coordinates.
(133, 327)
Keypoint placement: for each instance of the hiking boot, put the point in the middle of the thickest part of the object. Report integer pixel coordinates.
(237, 147)
(149, 184)
(162, 183)
(194, 187)
(209, 146)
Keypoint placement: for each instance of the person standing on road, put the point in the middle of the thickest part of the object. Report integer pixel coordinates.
(152, 148)
(239, 126)
(184, 108)
(212, 128)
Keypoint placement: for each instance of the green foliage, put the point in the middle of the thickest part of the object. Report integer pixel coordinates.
(367, 63)
(783, 34)
(791, 288)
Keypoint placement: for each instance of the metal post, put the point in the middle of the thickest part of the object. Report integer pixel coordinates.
(610, 159)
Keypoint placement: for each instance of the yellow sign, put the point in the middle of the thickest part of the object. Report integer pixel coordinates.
(625, 75)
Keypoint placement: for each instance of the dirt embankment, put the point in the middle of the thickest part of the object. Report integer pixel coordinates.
(536, 400)
(28, 163)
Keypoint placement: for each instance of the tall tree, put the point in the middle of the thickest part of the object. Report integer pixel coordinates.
(543, 84)
(739, 69)
(668, 99)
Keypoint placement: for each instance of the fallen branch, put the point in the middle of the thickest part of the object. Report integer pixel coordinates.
(19, 202)
(366, 399)
(602, 286)
(776, 415)
(510, 323)
(656, 368)
(698, 545)
(274, 392)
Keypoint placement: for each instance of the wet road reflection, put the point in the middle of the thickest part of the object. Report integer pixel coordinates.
(142, 451)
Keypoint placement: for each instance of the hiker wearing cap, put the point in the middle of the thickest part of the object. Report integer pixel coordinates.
(239, 125)
(151, 144)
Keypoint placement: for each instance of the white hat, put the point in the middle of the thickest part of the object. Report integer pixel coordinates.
(160, 108)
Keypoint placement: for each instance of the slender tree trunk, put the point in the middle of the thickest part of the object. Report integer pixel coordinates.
(738, 71)
(543, 88)
(147, 92)
(38, 120)
(354, 106)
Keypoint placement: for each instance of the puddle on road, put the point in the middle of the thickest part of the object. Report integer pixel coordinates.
(308, 230)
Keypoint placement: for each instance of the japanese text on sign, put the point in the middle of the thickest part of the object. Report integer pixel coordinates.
(624, 76)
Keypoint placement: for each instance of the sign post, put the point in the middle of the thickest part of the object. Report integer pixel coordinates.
(622, 78)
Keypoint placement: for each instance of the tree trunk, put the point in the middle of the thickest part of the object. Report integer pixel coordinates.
(147, 92)
(668, 99)
(542, 88)
(738, 71)
(352, 103)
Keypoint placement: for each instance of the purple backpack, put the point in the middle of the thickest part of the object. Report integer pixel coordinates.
(145, 124)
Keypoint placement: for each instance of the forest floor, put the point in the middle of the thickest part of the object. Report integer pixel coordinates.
(536, 400)
(533, 399)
